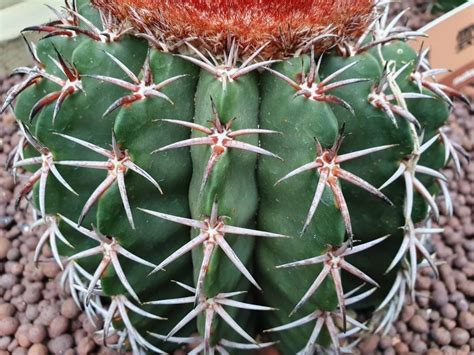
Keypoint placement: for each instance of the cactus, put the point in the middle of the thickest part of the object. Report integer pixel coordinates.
(197, 161)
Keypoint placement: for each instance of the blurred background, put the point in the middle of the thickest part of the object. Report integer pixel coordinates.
(14, 16)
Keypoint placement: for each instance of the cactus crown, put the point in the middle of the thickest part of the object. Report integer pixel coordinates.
(285, 27)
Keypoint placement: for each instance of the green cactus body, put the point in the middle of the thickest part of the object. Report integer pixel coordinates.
(230, 168)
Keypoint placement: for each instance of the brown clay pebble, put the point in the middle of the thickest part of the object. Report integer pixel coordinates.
(21, 336)
(86, 346)
(442, 336)
(8, 326)
(69, 309)
(60, 344)
(418, 324)
(37, 333)
(466, 320)
(20, 351)
(7, 310)
(449, 311)
(369, 344)
(459, 336)
(38, 349)
(5, 246)
(58, 326)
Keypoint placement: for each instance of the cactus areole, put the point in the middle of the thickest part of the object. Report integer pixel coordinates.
(222, 176)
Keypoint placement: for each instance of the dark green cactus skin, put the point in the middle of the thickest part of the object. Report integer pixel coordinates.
(242, 183)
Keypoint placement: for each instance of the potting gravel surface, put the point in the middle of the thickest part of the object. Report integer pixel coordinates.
(37, 317)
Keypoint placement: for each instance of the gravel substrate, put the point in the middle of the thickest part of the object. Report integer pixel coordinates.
(37, 317)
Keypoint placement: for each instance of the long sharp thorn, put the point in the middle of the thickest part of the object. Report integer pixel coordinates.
(427, 196)
(123, 279)
(98, 192)
(310, 345)
(54, 250)
(339, 101)
(186, 143)
(409, 194)
(365, 246)
(355, 180)
(143, 173)
(124, 197)
(123, 101)
(42, 103)
(242, 305)
(301, 169)
(121, 250)
(289, 81)
(393, 290)
(313, 288)
(42, 189)
(358, 273)
(431, 172)
(333, 334)
(82, 230)
(227, 249)
(336, 278)
(88, 145)
(243, 132)
(96, 277)
(428, 143)
(318, 193)
(125, 69)
(206, 260)
(341, 83)
(251, 232)
(349, 156)
(399, 255)
(206, 66)
(399, 172)
(174, 301)
(338, 72)
(342, 205)
(59, 177)
(209, 317)
(242, 71)
(42, 241)
(306, 319)
(233, 324)
(251, 148)
(207, 171)
(405, 114)
(187, 318)
(115, 81)
(310, 261)
(181, 220)
(191, 125)
(181, 251)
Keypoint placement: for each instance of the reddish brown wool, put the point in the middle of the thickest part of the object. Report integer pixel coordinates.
(286, 25)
